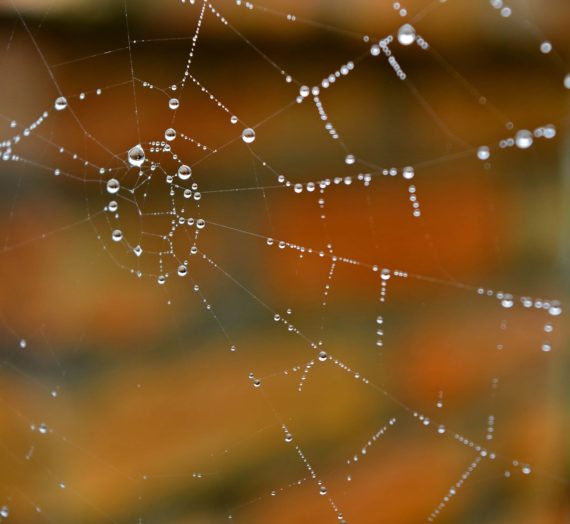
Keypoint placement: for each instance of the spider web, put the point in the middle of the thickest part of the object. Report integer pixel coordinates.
(279, 324)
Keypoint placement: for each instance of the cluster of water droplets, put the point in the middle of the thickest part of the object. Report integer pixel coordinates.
(523, 139)
(178, 182)
(503, 9)
(137, 159)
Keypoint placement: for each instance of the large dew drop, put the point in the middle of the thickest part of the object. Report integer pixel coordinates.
(113, 186)
(408, 173)
(545, 47)
(136, 156)
(555, 308)
(549, 131)
(248, 135)
(60, 103)
(184, 172)
(507, 301)
(406, 34)
(523, 139)
(483, 153)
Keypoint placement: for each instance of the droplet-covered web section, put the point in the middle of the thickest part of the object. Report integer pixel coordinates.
(304, 255)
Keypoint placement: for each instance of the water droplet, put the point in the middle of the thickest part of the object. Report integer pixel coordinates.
(545, 47)
(408, 172)
(136, 156)
(4, 512)
(349, 159)
(184, 172)
(555, 308)
(113, 186)
(483, 153)
(567, 81)
(60, 103)
(523, 139)
(138, 251)
(256, 383)
(507, 301)
(234, 119)
(182, 270)
(406, 34)
(248, 135)
(117, 235)
(174, 103)
(288, 437)
(546, 347)
(43, 429)
(323, 356)
(385, 274)
(23, 343)
(549, 131)
(323, 490)
(170, 134)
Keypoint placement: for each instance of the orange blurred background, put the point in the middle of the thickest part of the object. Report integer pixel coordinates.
(128, 401)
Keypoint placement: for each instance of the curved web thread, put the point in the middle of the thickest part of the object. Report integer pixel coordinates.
(129, 177)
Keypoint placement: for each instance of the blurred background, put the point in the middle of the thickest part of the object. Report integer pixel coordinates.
(123, 400)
